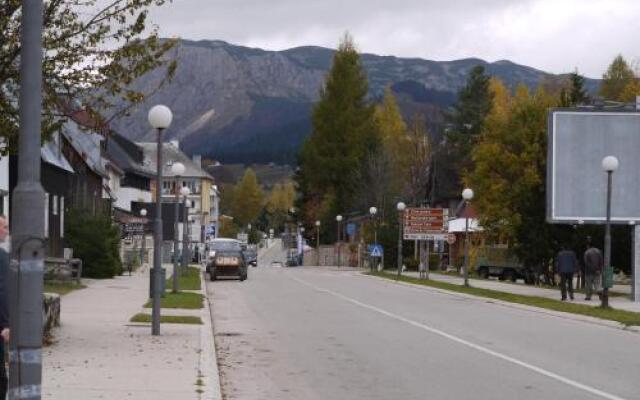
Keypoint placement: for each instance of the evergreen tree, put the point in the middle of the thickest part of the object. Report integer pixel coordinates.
(618, 76)
(343, 132)
(473, 106)
(465, 124)
(576, 93)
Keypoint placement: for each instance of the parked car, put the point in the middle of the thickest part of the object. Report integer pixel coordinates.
(226, 258)
(251, 257)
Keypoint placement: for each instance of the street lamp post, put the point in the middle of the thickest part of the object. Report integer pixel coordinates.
(301, 248)
(143, 256)
(185, 191)
(339, 220)
(27, 222)
(609, 165)
(177, 169)
(467, 195)
(372, 212)
(318, 241)
(160, 118)
(400, 206)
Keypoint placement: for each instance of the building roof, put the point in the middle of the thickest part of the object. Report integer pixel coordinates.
(51, 155)
(87, 144)
(171, 153)
(128, 156)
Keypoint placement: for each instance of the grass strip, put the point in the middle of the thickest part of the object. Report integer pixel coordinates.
(168, 319)
(627, 318)
(187, 300)
(612, 293)
(62, 288)
(189, 281)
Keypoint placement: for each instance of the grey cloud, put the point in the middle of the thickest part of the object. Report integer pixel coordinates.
(551, 35)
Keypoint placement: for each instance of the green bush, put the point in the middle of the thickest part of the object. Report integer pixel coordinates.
(95, 240)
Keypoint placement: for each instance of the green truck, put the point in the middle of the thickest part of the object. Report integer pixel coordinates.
(500, 262)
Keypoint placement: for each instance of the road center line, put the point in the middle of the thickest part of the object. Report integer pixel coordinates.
(464, 342)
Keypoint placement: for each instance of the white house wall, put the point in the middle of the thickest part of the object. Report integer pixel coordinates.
(126, 195)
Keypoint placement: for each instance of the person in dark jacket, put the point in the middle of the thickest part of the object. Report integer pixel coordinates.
(4, 306)
(593, 263)
(566, 265)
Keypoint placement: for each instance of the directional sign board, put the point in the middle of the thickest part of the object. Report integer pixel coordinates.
(425, 223)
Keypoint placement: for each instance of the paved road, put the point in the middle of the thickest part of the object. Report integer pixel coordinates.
(311, 333)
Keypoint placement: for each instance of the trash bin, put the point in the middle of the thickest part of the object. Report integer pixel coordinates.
(163, 281)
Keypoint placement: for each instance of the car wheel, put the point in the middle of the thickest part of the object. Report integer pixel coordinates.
(509, 275)
(243, 277)
(483, 273)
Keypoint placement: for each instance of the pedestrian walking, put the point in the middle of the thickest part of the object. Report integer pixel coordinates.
(566, 265)
(4, 306)
(593, 263)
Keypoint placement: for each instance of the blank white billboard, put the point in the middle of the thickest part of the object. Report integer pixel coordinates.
(576, 182)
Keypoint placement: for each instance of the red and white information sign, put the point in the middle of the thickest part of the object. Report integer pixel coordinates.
(426, 223)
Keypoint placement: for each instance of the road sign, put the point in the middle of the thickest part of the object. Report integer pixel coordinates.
(375, 250)
(134, 228)
(451, 238)
(351, 229)
(425, 223)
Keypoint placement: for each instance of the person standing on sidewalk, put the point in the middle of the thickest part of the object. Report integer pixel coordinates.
(593, 263)
(4, 306)
(566, 265)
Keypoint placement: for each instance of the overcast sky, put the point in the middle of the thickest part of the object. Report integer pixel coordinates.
(552, 35)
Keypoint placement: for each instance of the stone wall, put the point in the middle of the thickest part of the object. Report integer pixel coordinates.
(51, 313)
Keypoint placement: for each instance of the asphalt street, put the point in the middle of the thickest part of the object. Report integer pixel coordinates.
(323, 333)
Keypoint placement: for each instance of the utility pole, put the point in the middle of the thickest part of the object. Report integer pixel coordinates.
(160, 118)
(27, 247)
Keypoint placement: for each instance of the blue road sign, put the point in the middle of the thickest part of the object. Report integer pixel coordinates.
(351, 229)
(375, 250)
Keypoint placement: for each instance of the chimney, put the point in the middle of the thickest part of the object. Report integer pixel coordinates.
(197, 159)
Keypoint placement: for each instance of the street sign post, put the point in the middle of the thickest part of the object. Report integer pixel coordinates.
(425, 223)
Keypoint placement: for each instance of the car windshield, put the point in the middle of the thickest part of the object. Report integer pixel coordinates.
(226, 246)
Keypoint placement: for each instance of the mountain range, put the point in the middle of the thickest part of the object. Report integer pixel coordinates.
(239, 104)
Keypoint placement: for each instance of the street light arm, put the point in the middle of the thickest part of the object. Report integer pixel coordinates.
(459, 208)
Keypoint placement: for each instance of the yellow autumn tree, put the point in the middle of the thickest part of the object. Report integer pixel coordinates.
(396, 144)
(509, 172)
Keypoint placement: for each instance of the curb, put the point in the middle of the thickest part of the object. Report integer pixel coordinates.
(208, 368)
(538, 310)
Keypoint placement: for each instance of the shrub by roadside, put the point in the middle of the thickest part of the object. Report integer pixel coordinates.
(95, 240)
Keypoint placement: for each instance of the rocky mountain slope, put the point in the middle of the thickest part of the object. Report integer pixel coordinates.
(238, 104)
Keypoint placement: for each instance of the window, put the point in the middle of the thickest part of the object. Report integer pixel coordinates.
(55, 205)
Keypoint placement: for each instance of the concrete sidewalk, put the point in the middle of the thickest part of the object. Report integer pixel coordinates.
(99, 354)
(621, 303)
